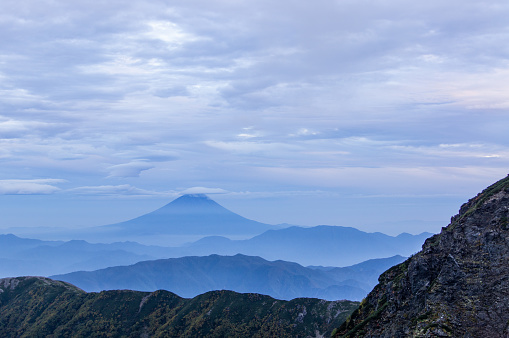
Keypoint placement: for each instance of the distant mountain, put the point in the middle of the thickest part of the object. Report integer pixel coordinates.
(366, 273)
(456, 286)
(188, 215)
(183, 220)
(191, 276)
(21, 256)
(10, 244)
(41, 307)
(320, 245)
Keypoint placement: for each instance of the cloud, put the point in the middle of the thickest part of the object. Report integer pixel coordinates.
(268, 149)
(156, 66)
(380, 180)
(132, 169)
(11, 128)
(150, 153)
(248, 95)
(117, 190)
(284, 194)
(29, 187)
(123, 190)
(203, 190)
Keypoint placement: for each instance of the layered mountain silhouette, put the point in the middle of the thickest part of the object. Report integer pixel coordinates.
(22, 256)
(365, 273)
(209, 228)
(41, 307)
(456, 286)
(320, 245)
(19, 256)
(191, 276)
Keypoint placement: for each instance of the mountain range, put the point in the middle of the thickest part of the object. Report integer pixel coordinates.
(319, 245)
(322, 245)
(203, 226)
(22, 256)
(191, 276)
(19, 256)
(41, 307)
(290, 248)
(456, 286)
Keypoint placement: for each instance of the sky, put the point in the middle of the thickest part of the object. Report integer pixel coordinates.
(382, 115)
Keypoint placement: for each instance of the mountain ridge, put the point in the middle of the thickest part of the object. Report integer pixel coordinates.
(321, 245)
(456, 286)
(191, 276)
(38, 307)
(325, 245)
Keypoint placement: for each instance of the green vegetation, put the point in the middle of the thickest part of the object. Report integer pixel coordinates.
(421, 317)
(483, 196)
(373, 314)
(504, 222)
(41, 307)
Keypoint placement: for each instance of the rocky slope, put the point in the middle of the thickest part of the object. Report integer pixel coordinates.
(42, 307)
(457, 286)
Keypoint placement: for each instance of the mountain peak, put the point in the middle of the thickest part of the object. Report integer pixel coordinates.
(193, 200)
(194, 196)
(193, 204)
(455, 286)
(192, 214)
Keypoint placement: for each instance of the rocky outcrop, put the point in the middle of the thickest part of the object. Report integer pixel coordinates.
(457, 286)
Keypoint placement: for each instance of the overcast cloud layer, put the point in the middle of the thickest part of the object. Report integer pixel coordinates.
(273, 104)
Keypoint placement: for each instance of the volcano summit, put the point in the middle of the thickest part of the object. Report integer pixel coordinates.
(194, 214)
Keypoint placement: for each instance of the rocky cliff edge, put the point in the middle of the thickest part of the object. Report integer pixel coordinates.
(456, 286)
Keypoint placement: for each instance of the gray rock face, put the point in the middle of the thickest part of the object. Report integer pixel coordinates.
(457, 286)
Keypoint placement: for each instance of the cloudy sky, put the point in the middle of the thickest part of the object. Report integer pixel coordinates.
(382, 115)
